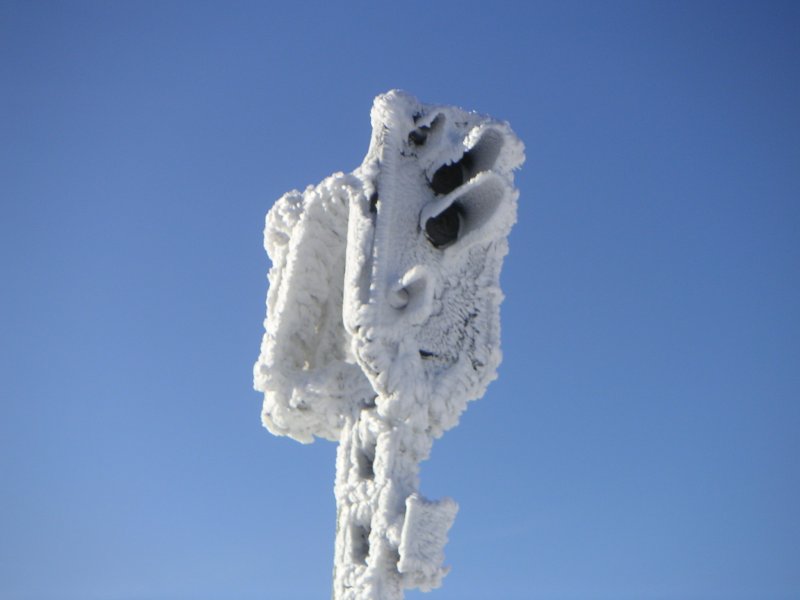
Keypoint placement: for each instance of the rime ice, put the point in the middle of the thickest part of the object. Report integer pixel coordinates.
(383, 322)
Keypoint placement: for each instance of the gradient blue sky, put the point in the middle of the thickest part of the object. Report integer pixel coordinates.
(643, 439)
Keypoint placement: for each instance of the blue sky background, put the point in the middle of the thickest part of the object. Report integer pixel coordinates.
(643, 439)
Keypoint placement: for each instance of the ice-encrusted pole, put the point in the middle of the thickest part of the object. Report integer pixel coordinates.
(383, 322)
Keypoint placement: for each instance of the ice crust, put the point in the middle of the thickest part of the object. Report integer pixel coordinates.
(382, 324)
(310, 381)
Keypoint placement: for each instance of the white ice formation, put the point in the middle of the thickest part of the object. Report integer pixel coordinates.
(383, 322)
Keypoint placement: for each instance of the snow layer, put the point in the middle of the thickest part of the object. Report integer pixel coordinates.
(383, 323)
(310, 381)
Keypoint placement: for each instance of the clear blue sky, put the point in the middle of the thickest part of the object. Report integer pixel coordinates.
(643, 439)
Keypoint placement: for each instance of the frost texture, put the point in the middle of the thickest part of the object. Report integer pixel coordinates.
(383, 322)
(309, 380)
